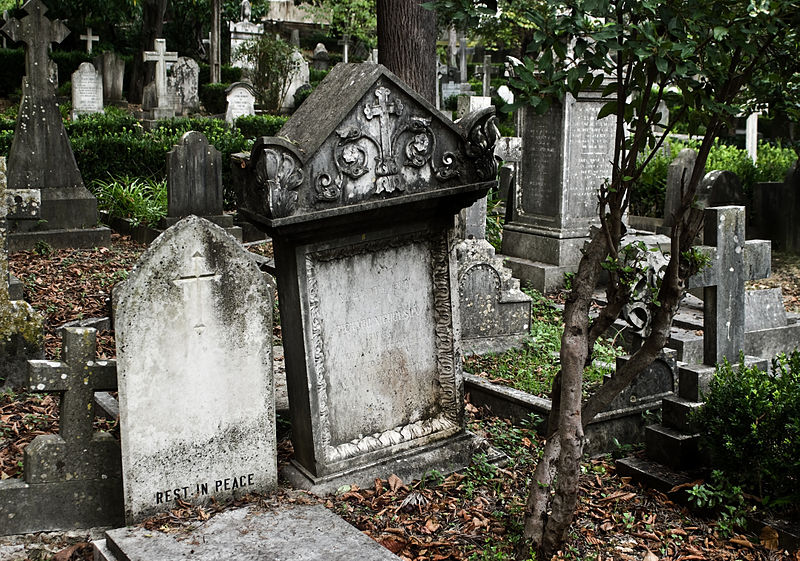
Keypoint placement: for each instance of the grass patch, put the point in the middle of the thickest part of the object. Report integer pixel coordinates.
(533, 367)
(142, 200)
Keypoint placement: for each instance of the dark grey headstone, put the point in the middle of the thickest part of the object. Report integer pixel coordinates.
(321, 59)
(720, 188)
(651, 385)
(194, 178)
(183, 85)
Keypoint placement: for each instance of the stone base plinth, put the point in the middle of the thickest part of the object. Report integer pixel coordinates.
(550, 247)
(541, 276)
(60, 239)
(445, 456)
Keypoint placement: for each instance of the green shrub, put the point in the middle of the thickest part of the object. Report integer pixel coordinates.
(228, 74)
(213, 97)
(271, 59)
(12, 69)
(751, 426)
(6, 136)
(254, 126)
(142, 200)
(316, 76)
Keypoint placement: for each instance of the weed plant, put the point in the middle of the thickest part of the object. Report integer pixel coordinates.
(142, 200)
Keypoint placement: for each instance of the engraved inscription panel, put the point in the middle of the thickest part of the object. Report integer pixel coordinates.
(540, 168)
(591, 150)
(376, 310)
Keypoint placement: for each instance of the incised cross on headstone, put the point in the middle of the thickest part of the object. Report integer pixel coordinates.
(345, 43)
(36, 32)
(192, 287)
(386, 164)
(733, 261)
(161, 57)
(90, 39)
(76, 379)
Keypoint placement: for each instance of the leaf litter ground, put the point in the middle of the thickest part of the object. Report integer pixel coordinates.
(474, 515)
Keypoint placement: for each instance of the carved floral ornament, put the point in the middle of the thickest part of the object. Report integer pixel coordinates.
(282, 173)
(398, 134)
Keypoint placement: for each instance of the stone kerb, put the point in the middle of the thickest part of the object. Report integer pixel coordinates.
(196, 394)
(72, 479)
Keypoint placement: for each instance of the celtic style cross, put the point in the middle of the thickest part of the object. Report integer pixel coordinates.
(36, 32)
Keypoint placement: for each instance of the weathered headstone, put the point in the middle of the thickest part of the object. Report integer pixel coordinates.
(87, 91)
(182, 85)
(90, 39)
(471, 103)
(194, 183)
(359, 193)
(297, 78)
(764, 309)
(112, 70)
(41, 156)
(505, 93)
(679, 173)
(21, 328)
(320, 59)
(719, 188)
(196, 395)
(567, 154)
(751, 136)
(241, 101)
(242, 32)
(487, 76)
(71, 479)
(164, 106)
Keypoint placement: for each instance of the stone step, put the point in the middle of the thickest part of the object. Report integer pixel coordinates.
(671, 447)
(654, 474)
(693, 380)
(676, 412)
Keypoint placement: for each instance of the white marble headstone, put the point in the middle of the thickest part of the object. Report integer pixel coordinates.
(241, 101)
(87, 90)
(194, 353)
(298, 76)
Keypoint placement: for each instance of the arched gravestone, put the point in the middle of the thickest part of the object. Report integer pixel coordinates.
(194, 351)
(359, 194)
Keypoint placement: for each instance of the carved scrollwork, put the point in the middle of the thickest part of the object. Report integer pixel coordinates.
(282, 173)
(326, 188)
(482, 135)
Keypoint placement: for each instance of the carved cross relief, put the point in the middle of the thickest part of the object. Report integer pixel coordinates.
(194, 283)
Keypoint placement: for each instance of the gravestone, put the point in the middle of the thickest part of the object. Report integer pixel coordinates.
(90, 39)
(41, 157)
(487, 76)
(112, 69)
(471, 103)
(679, 173)
(320, 60)
(194, 183)
(297, 78)
(505, 93)
(345, 43)
(87, 91)
(732, 262)
(764, 309)
(567, 154)
(196, 395)
(241, 101)
(358, 192)
(182, 85)
(71, 479)
(242, 32)
(719, 188)
(21, 328)
(158, 103)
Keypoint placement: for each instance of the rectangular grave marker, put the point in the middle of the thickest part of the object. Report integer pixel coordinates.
(87, 91)
(196, 395)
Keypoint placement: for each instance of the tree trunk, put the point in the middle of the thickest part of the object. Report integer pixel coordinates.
(407, 44)
(152, 25)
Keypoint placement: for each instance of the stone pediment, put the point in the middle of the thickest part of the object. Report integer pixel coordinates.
(363, 140)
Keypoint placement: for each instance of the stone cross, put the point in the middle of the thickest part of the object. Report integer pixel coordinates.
(487, 75)
(76, 379)
(192, 287)
(386, 164)
(36, 31)
(161, 57)
(452, 47)
(90, 39)
(345, 43)
(732, 262)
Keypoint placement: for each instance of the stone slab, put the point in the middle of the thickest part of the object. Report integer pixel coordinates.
(288, 533)
(653, 474)
(60, 239)
(61, 505)
(536, 274)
